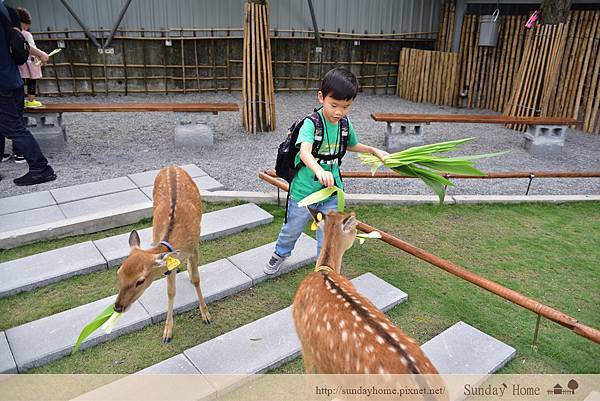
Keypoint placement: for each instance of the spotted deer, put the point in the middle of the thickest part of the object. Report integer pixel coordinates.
(176, 216)
(340, 330)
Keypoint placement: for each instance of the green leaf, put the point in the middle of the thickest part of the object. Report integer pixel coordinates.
(318, 196)
(94, 325)
(341, 200)
(453, 168)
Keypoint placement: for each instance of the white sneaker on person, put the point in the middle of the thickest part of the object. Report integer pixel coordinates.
(273, 264)
(6, 157)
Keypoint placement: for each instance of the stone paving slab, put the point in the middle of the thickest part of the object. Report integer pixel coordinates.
(178, 364)
(45, 340)
(44, 268)
(7, 362)
(103, 203)
(31, 218)
(146, 178)
(19, 203)
(233, 220)
(271, 341)
(252, 262)
(217, 280)
(92, 189)
(593, 396)
(91, 223)
(214, 225)
(204, 183)
(462, 349)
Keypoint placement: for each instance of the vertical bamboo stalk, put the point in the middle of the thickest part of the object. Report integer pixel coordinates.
(245, 86)
(588, 121)
(182, 62)
(258, 83)
(253, 80)
(56, 80)
(70, 61)
(144, 63)
(124, 50)
(90, 68)
(196, 64)
(589, 44)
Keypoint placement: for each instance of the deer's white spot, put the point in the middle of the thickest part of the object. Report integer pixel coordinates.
(379, 339)
(344, 336)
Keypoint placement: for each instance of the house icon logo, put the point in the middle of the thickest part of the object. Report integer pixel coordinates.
(560, 390)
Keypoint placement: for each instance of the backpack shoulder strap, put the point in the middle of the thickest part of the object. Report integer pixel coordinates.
(345, 132)
(315, 117)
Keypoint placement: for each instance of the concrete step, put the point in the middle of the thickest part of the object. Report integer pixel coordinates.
(42, 341)
(35, 271)
(83, 208)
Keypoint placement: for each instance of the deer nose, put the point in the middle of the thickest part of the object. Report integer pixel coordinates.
(118, 308)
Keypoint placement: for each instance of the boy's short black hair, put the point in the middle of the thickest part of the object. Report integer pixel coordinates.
(340, 84)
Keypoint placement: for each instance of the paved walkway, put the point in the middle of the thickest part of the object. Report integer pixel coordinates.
(38, 270)
(81, 208)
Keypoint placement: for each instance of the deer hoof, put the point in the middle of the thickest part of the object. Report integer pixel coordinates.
(166, 340)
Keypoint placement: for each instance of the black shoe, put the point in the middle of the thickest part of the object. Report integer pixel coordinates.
(33, 178)
(19, 159)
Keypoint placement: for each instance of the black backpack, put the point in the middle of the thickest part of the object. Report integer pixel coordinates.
(17, 45)
(287, 151)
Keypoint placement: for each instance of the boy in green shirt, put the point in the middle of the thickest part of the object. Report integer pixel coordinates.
(338, 91)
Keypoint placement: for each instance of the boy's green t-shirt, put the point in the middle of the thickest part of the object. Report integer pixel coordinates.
(305, 182)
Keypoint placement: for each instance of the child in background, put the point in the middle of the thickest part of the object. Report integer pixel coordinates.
(31, 70)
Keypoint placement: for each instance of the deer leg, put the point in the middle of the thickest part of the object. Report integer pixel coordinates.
(195, 277)
(168, 332)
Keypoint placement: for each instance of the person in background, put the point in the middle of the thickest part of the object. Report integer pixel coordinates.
(12, 102)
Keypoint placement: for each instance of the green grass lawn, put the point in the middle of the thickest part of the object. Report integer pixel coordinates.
(547, 252)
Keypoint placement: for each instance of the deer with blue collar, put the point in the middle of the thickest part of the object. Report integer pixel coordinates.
(340, 330)
(177, 212)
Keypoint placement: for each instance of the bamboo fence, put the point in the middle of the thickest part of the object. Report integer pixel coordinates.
(446, 32)
(258, 104)
(428, 76)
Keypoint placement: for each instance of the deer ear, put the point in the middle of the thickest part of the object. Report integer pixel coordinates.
(349, 223)
(134, 239)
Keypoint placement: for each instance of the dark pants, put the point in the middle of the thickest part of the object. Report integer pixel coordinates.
(31, 86)
(12, 127)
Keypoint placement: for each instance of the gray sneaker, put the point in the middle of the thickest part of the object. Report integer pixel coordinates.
(273, 264)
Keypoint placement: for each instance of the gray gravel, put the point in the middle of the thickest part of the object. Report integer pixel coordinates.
(108, 145)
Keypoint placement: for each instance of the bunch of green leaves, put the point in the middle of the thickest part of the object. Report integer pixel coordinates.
(420, 162)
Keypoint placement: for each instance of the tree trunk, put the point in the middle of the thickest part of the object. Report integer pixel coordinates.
(555, 11)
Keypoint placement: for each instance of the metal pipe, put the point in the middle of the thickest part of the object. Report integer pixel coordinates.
(314, 21)
(495, 288)
(119, 19)
(488, 176)
(81, 24)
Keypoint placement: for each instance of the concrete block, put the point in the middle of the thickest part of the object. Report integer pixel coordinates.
(178, 364)
(90, 223)
(217, 280)
(204, 183)
(462, 349)
(103, 203)
(44, 268)
(146, 179)
(19, 203)
(45, 340)
(214, 225)
(545, 140)
(50, 140)
(267, 342)
(116, 248)
(247, 196)
(402, 136)
(31, 218)
(252, 262)
(7, 362)
(193, 136)
(92, 189)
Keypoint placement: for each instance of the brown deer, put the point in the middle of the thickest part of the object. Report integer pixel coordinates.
(176, 216)
(340, 330)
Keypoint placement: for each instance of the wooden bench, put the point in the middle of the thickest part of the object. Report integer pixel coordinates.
(191, 130)
(546, 135)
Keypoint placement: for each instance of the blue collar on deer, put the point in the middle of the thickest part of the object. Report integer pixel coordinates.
(171, 249)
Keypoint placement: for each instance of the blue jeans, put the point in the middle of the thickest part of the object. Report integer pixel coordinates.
(297, 217)
(12, 127)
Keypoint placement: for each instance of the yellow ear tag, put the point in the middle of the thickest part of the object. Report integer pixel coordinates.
(172, 263)
(314, 225)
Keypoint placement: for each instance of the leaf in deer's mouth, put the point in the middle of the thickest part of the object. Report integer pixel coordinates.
(103, 318)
